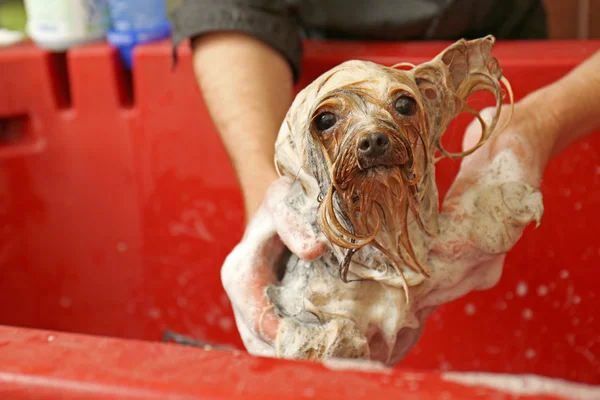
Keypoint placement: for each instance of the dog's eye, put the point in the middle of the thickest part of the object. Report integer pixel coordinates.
(325, 121)
(406, 106)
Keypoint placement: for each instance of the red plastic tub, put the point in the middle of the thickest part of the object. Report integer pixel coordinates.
(118, 205)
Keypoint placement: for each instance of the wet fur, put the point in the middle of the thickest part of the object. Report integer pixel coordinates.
(369, 215)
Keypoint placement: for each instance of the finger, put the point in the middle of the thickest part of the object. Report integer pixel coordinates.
(264, 320)
(509, 155)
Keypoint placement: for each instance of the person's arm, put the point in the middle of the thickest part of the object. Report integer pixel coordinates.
(247, 87)
(566, 110)
(246, 56)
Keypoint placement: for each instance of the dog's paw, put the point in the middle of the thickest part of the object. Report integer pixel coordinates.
(500, 214)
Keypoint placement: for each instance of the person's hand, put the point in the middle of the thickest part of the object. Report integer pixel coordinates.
(251, 267)
(493, 198)
(495, 195)
(524, 136)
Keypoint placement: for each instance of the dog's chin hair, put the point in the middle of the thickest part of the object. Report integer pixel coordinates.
(377, 194)
(375, 204)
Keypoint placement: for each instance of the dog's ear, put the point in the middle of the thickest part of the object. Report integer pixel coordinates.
(447, 81)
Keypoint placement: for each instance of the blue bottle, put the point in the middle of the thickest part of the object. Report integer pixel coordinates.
(135, 22)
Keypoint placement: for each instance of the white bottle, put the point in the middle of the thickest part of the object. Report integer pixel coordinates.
(60, 24)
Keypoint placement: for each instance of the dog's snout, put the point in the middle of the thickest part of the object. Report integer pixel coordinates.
(373, 145)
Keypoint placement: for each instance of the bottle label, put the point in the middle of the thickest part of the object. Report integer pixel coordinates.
(67, 19)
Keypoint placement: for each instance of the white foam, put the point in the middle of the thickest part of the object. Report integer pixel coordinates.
(521, 289)
(344, 364)
(380, 306)
(527, 314)
(470, 309)
(525, 385)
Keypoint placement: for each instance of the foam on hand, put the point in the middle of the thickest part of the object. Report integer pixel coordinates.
(325, 317)
(387, 256)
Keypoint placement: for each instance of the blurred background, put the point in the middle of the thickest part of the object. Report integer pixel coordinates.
(566, 19)
(573, 19)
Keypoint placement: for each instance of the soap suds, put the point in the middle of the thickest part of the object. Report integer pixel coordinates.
(470, 309)
(530, 353)
(380, 314)
(542, 290)
(521, 289)
(324, 317)
(525, 385)
(154, 313)
(346, 364)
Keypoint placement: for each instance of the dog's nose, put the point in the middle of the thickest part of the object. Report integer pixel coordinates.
(373, 145)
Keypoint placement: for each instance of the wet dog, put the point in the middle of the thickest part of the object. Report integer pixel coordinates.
(359, 147)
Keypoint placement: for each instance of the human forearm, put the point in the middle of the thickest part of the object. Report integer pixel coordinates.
(568, 109)
(247, 87)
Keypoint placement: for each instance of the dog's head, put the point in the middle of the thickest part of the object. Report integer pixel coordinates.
(362, 138)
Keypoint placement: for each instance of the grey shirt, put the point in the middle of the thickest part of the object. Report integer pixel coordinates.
(282, 24)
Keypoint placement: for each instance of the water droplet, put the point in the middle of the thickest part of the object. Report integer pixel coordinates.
(576, 300)
(154, 313)
(564, 274)
(122, 247)
(542, 290)
(470, 309)
(527, 314)
(226, 324)
(578, 206)
(51, 338)
(521, 289)
(530, 353)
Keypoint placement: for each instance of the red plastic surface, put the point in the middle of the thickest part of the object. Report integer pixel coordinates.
(118, 209)
(49, 365)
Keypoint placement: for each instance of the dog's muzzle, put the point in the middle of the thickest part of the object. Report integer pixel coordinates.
(374, 150)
